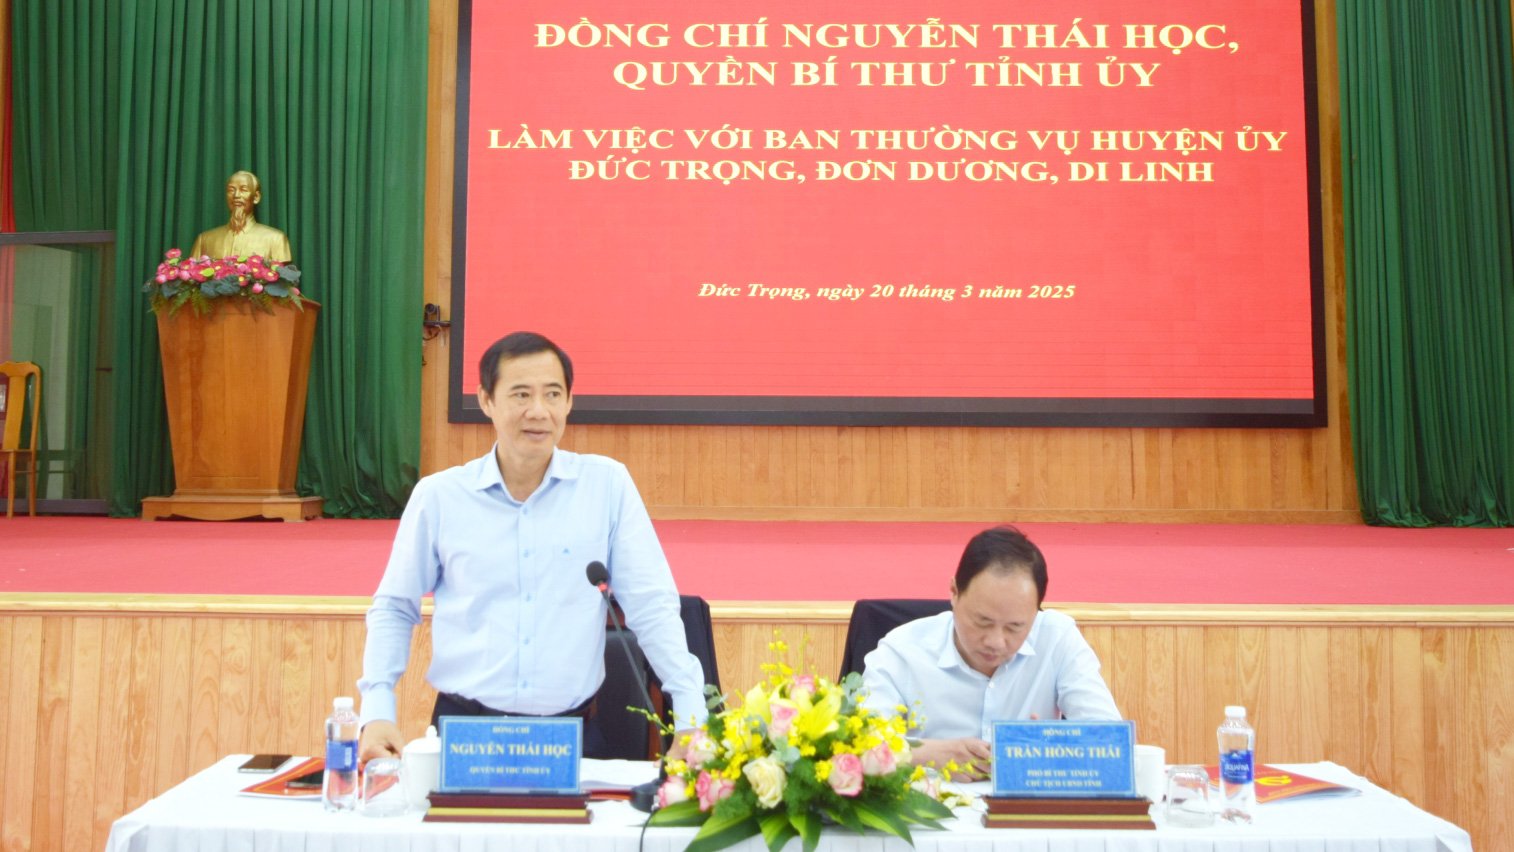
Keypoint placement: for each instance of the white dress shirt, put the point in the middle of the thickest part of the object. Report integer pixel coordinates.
(516, 624)
(1054, 675)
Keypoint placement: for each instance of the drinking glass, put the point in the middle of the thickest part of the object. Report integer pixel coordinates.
(1188, 797)
(383, 788)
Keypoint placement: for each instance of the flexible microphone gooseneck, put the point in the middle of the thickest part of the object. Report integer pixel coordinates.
(643, 796)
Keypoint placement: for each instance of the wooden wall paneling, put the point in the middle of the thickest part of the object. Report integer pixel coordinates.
(327, 652)
(1467, 763)
(1282, 681)
(267, 697)
(1377, 729)
(1497, 734)
(22, 643)
(1205, 475)
(1311, 701)
(112, 723)
(234, 728)
(77, 771)
(1407, 702)
(204, 720)
(1346, 691)
(144, 721)
(174, 706)
(51, 757)
(297, 699)
(1439, 736)
(1419, 708)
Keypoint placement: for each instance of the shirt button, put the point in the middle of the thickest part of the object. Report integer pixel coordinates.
(526, 511)
(528, 598)
(527, 552)
(528, 640)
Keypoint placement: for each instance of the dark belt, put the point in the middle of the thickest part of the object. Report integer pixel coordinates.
(470, 707)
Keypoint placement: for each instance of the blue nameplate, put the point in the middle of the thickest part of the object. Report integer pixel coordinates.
(501, 754)
(1064, 759)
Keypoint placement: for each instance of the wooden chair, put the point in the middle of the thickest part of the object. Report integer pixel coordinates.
(16, 407)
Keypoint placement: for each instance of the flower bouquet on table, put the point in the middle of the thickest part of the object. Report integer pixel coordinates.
(196, 281)
(799, 750)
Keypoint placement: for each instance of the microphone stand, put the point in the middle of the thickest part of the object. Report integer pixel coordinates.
(643, 796)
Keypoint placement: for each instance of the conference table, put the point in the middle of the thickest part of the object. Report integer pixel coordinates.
(206, 813)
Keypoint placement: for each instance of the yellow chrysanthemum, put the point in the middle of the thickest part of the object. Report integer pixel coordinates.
(822, 770)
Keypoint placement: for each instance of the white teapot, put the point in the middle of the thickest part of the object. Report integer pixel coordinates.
(423, 767)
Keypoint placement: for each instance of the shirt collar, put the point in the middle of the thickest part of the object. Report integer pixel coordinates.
(564, 465)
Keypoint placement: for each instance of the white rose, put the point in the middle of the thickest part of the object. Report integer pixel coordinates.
(767, 777)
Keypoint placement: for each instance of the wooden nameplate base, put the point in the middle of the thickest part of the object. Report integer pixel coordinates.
(231, 507)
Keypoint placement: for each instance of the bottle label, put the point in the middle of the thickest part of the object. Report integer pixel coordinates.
(1237, 767)
(341, 756)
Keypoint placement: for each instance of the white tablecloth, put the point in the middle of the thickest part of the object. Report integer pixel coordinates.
(205, 814)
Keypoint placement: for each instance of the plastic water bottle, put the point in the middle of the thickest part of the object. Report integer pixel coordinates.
(339, 790)
(1237, 766)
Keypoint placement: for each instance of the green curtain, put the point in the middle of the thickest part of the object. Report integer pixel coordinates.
(1427, 147)
(64, 99)
(325, 100)
(64, 90)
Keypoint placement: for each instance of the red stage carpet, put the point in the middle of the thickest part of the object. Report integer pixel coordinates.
(774, 561)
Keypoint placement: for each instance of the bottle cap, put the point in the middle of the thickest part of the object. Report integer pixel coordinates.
(343, 703)
(1235, 711)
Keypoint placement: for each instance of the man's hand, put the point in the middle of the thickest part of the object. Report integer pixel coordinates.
(380, 738)
(972, 756)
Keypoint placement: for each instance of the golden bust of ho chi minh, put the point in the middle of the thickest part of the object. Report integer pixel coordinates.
(243, 236)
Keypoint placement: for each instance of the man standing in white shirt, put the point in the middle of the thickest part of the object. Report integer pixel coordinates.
(995, 656)
(502, 544)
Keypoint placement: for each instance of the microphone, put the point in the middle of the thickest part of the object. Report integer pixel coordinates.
(643, 796)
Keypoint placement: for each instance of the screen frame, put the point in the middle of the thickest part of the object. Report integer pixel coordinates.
(1123, 412)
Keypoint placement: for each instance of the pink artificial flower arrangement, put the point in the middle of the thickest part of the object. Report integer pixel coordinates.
(196, 281)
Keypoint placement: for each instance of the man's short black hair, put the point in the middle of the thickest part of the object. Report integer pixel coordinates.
(519, 344)
(1006, 549)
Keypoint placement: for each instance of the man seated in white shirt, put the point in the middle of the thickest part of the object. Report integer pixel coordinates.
(995, 656)
(502, 544)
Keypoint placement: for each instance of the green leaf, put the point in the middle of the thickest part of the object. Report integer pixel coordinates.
(276, 290)
(777, 830)
(883, 820)
(923, 807)
(808, 825)
(718, 832)
(848, 817)
(289, 273)
(683, 813)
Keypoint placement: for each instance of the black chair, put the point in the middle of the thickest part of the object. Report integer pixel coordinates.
(625, 734)
(873, 619)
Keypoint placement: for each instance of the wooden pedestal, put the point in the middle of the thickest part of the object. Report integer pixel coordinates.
(235, 383)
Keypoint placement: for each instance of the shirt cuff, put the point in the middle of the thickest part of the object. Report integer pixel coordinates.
(688, 712)
(378, 704)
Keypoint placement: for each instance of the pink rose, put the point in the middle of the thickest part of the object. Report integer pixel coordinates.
(846, 774)
(183, 275)
(783, 719)
(294, 290)
(161, 279)
(803, 687)
(173, 253)
(712, 789)
(879, 760)
(700, 750)
(672, 791)
(257, 288)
